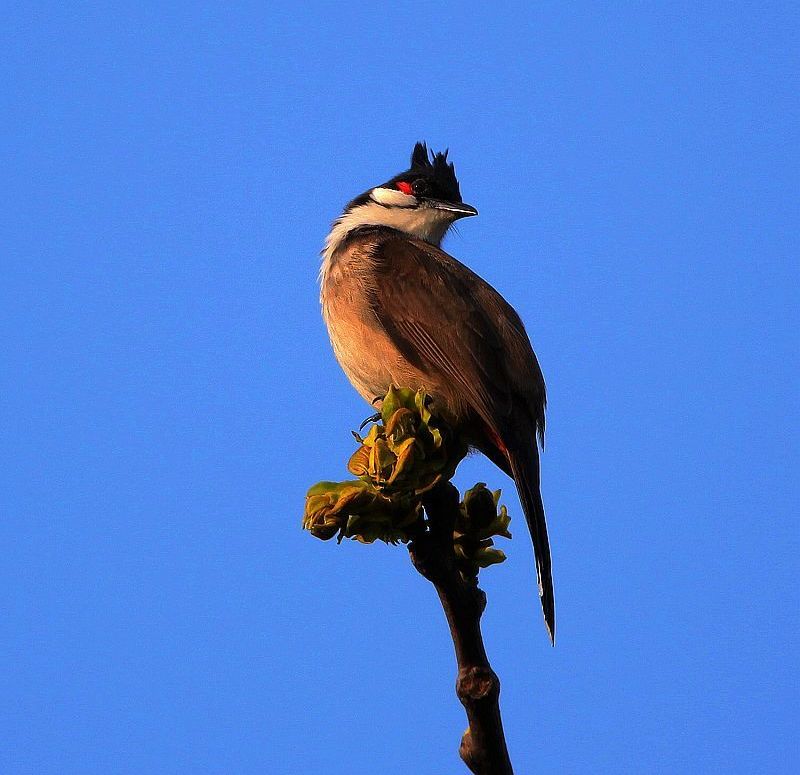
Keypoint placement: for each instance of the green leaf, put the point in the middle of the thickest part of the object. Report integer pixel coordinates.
(375, 432)
(323, 487)
(401, 425)
(486, 557)
(391, 403)
(359, 462)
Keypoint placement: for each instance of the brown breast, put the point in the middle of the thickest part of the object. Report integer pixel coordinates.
(364, 351)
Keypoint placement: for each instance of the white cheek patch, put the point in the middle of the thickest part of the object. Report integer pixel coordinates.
(392, 198)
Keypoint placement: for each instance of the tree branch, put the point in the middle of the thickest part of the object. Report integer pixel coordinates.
(483, 746)
(398, 464)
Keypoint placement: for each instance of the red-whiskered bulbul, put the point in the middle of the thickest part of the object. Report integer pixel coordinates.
(400, 311)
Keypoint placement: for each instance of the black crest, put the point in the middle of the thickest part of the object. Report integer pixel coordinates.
(419, 156)
(430, 175)
(434, 167)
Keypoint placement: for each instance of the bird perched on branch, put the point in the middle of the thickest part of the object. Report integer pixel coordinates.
(400, 311)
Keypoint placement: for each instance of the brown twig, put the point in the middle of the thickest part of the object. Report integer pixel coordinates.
(483, 746)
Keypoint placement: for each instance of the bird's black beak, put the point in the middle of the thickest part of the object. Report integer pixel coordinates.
(459, 209)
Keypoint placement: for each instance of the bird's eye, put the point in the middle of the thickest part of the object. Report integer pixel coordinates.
(404, 187)
(420, 187)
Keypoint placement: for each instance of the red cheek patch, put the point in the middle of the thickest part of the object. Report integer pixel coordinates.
(404, 187)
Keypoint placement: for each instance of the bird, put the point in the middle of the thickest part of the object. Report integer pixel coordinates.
(401, 311)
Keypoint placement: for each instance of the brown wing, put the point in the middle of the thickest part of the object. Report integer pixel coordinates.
(446, 319)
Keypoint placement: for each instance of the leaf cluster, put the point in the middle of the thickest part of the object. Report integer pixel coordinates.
(479, 522)
(403, 456)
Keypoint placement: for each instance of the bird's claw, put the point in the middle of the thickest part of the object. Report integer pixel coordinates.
(372, 418)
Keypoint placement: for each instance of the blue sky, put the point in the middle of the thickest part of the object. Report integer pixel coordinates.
(169, 392)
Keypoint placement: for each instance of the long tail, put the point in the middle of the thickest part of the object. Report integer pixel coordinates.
(525, 468)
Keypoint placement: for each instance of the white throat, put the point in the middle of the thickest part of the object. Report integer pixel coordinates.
(425, 223)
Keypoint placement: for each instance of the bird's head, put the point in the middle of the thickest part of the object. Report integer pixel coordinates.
(429, 184)
(424, 201)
